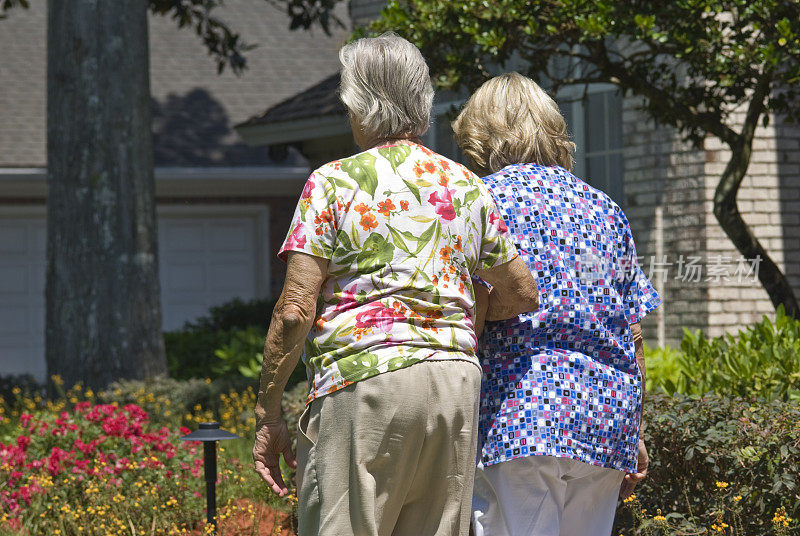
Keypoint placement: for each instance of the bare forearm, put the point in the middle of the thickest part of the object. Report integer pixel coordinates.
(638, 348)
(282, 350)
(291, 321)
(514, 290)
(481, 306)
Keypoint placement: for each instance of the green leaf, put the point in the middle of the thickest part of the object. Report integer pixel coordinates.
(425, 238)
(395, 155)
(471, 196)
(361, 169)
(414, 190)
(375, 254)
(398, 240)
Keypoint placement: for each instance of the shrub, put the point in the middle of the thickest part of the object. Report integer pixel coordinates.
(227, 343)
(244, 353)
(192, 350)
(235, 314)
(707, 451)
(762, 361)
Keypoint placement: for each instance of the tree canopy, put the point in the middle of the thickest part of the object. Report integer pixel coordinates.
(695, 64)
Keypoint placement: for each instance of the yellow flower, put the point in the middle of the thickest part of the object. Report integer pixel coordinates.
(737, 498)
(722, 485)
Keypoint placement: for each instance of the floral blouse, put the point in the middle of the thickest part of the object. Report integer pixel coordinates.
(404, 229)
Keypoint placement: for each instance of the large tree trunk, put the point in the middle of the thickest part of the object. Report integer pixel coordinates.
(103, 317)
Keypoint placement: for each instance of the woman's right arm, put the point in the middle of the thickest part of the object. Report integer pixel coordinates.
(514, 289)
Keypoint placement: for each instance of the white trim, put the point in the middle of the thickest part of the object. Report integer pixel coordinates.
(23, 211)
(293, 131)
(245, 181)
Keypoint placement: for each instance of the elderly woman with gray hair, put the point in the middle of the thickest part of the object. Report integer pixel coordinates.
(379, 299)
(561, 402)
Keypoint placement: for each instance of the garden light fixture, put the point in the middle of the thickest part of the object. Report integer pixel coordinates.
(209, 433)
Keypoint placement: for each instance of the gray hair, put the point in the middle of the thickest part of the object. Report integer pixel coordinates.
(386, 86)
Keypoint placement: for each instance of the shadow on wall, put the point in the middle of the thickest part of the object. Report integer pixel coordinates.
(788, 149)
(194, 130)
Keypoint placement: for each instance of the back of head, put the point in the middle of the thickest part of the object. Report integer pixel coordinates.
(511, 120)
(386, 86)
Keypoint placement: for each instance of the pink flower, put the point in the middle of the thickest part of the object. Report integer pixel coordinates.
(347, 300)
(307, 189)
(444, 204)
(378, 316)
(497, 221)
(296, 240)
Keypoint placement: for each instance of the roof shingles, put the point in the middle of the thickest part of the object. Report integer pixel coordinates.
(194, 108)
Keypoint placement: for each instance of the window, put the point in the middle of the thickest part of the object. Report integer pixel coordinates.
(595, 123)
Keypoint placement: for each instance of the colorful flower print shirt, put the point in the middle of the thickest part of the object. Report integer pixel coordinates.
(404, 230)
(563, 381)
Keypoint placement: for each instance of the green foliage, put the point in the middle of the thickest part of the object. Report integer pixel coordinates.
(762, 361)
(692, 61)
(232, 329)
(234, 314)
(244, 352)
(695, 442)
(225, 344)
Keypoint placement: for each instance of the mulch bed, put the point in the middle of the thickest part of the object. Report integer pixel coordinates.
(266, 522)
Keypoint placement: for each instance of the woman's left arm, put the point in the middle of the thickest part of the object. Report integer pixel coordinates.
(291, 321)
(643, 459)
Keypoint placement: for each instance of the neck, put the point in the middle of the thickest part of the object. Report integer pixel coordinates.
(399, 140)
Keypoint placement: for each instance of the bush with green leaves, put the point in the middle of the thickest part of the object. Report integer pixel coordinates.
(762, 361)
(707, 451)
(235, 329)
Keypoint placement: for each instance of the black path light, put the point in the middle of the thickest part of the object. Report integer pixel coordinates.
(209, 433)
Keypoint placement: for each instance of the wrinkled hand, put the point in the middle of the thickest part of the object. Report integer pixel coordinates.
(631, 479)
(272, 440)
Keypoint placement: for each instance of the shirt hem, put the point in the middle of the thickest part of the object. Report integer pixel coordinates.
(316, 393)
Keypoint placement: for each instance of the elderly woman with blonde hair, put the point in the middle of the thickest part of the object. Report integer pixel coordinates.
(379, 299)
(561, 400)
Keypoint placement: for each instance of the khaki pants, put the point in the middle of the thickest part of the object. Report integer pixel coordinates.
(392, 455)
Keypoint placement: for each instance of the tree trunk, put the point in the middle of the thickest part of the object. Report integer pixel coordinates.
(103, 318)
(730, 219)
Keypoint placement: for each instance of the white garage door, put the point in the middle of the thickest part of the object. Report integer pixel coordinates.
(204, 261)
(22, 276)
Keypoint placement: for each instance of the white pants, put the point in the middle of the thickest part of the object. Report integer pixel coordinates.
(545, 496)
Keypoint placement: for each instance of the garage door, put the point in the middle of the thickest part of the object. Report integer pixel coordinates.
(22, 276)
(203, 262)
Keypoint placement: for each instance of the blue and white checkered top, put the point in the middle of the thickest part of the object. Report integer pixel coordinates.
(563, 381)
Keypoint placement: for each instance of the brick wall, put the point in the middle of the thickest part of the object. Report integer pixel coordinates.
(664, 203)
(669, 189)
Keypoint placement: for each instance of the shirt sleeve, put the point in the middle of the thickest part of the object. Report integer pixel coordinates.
(314, 224)
(638, 295)
(497, 247)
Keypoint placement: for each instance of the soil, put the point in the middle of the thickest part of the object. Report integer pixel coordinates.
(266, 522)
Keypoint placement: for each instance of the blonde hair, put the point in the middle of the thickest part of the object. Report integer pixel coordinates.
(511, 120)
(386, 86)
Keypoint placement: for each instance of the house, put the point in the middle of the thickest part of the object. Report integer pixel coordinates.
(665, 187)
(223, 206)
(232, 154)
